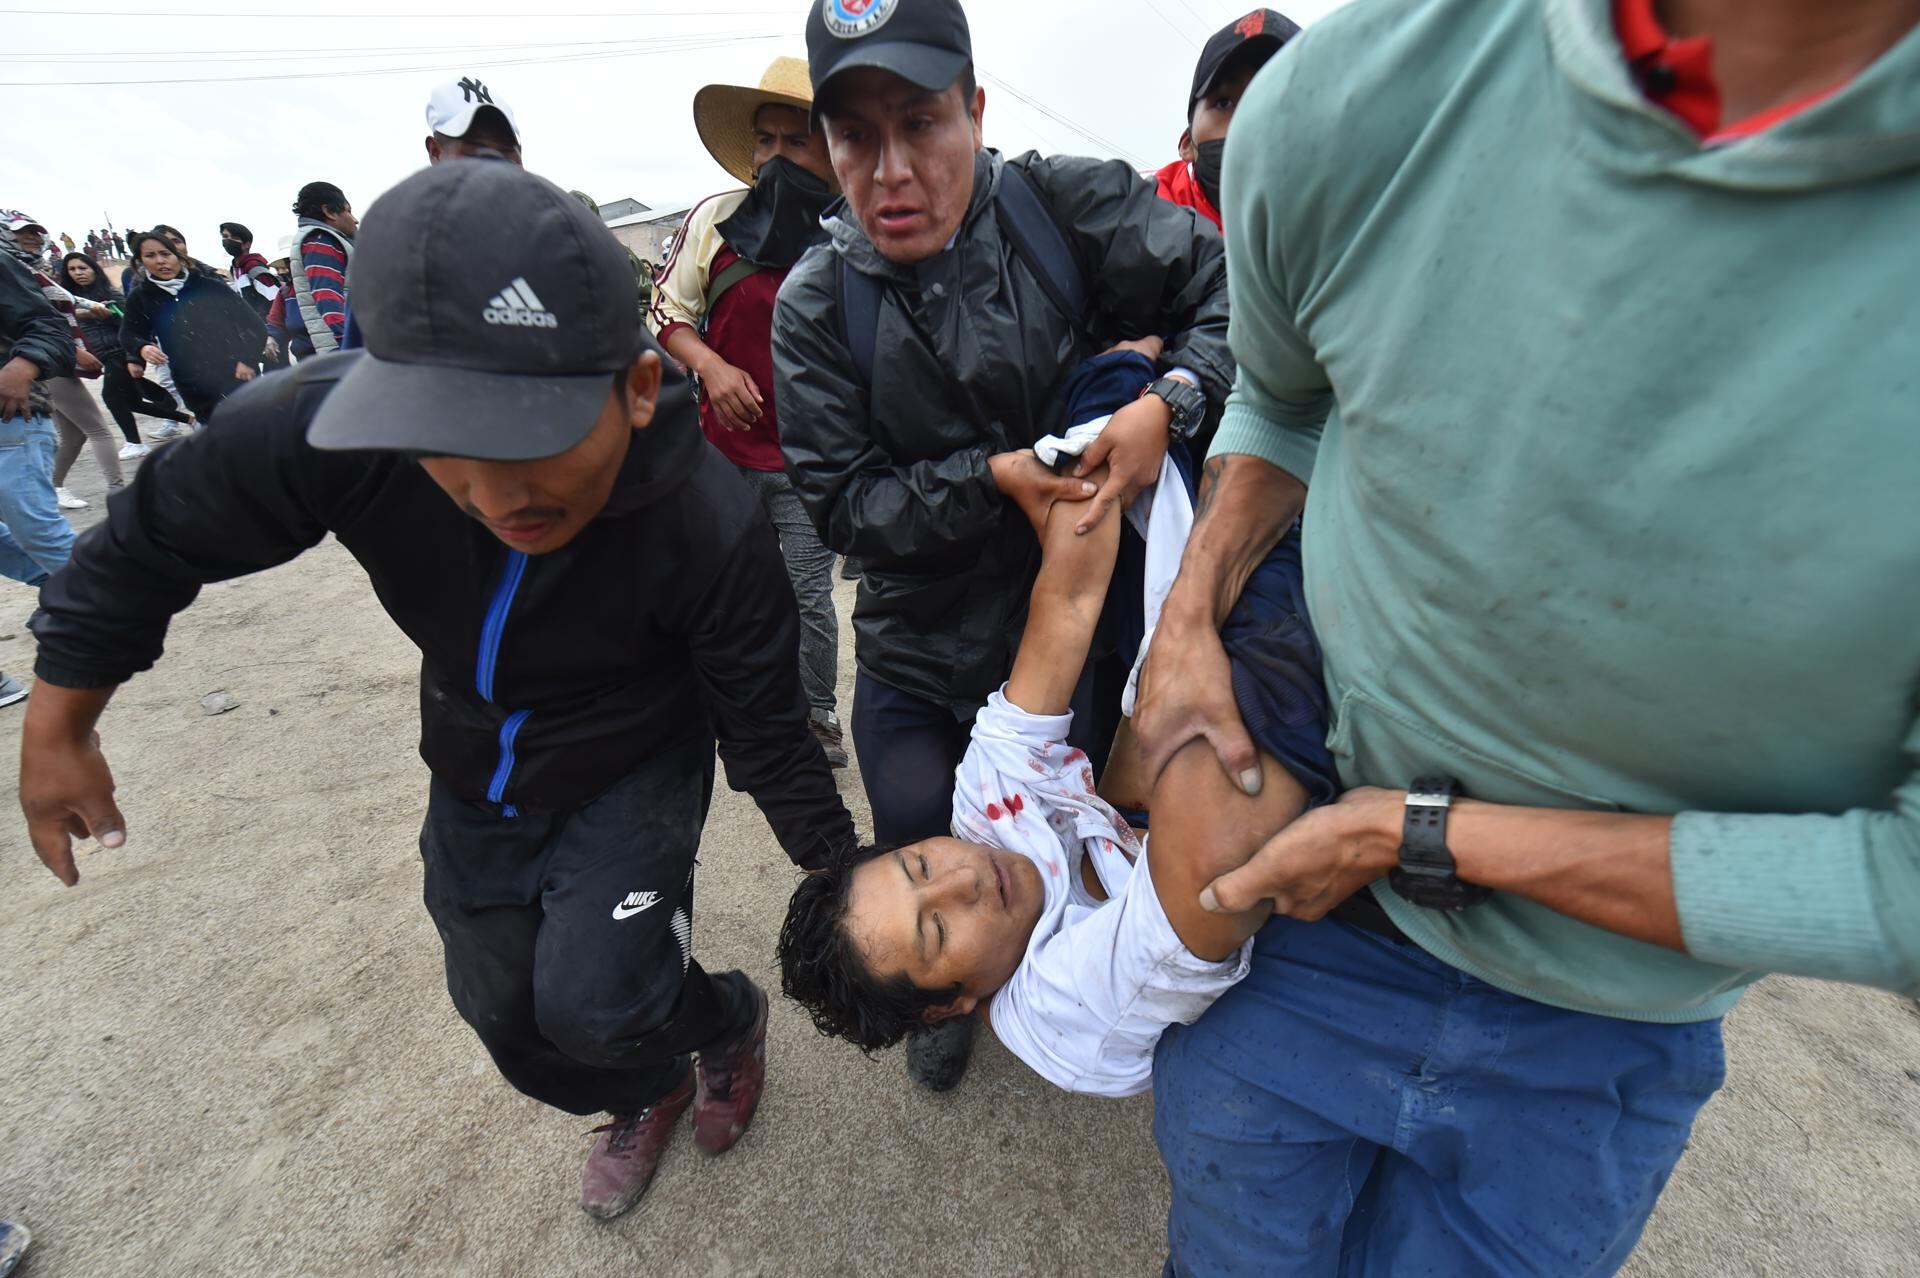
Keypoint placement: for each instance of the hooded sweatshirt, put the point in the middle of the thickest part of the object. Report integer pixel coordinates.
(544, 679)
(1614, 471)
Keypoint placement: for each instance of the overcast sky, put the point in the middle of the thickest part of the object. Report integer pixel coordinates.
(603, 90)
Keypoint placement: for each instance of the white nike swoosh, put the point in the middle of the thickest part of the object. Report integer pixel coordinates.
(622, 912)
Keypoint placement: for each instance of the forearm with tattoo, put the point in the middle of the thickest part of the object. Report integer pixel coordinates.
(1245, 506)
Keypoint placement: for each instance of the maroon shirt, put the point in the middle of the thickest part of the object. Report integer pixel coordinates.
(740, 331)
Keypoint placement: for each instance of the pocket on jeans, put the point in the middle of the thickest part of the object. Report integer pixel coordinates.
(14, 431)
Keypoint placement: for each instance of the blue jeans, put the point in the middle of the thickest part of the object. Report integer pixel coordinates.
(1358, 1107)
(35, 542)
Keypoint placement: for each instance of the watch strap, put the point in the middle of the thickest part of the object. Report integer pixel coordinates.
(1423, 837)
(1186, 401)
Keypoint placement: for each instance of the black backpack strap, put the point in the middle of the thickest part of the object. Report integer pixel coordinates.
(1029, 224)
(738, 269)
(860, 317)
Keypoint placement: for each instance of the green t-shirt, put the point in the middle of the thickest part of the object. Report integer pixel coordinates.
(1613, 445)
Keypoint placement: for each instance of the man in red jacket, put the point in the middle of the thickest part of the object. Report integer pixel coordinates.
(1227, 65)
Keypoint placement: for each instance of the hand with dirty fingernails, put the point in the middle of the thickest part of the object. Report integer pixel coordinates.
(66, 787)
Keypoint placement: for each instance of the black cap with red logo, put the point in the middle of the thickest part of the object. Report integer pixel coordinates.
(923, 41)
(1264, 30)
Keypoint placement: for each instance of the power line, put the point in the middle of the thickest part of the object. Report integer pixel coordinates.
(463, 16)
(302, 55)
(1197, 15)
(1176, 27)
(1111, 146)
(689, 44)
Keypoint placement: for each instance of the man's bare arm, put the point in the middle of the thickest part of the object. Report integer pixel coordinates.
(1068, 597)
(1609, 869)
(1205, 826)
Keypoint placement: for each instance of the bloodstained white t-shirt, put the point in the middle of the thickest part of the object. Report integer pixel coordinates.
(1101, 979)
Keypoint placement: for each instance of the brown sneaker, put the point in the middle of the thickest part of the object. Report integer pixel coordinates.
(730, 1085)
(625, 1157)
(826, 730)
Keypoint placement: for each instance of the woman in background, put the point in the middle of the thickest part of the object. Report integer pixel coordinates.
(191, 322)
(97, 305)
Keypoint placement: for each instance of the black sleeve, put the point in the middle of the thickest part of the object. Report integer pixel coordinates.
(225, 503)
(861, 500)
(38, 332)
(1152, 266)
(745, 640)
(136, 321)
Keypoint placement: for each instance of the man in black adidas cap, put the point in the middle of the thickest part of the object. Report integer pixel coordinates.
(920, 354)
(596, 597)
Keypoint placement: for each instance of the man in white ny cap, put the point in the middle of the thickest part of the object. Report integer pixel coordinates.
(463, 123)
(463, 120)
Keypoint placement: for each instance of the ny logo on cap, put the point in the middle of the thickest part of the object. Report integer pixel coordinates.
(851, 19)
(471, 90)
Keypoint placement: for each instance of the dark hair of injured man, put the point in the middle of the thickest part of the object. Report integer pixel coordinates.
(894, 937)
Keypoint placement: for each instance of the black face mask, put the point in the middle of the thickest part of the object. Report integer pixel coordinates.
(780, 218)
(1206, 167)
(233, 247)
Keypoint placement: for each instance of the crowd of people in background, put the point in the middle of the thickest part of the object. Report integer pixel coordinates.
(1466, 824)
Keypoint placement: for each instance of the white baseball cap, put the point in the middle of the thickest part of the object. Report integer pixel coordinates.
(452, 106)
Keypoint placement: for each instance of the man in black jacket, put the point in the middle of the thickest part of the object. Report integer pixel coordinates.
(596, 598)
(921, 352)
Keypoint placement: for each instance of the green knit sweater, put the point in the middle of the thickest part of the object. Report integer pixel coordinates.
(1613, 452)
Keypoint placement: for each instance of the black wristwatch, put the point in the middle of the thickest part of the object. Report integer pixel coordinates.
(1189, 405)
(1426, 872)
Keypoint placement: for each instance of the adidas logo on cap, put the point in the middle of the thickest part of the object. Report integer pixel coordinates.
(517, 305)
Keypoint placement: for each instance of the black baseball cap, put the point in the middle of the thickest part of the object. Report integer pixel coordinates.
(496, 308)
(1263, 29)
(923, 41)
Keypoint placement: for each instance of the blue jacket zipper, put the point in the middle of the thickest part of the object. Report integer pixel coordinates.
(492, 631)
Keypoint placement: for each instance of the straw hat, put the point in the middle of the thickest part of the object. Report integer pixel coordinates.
(723, 113)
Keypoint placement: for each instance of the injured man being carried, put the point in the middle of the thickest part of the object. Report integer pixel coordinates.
(1045, 913)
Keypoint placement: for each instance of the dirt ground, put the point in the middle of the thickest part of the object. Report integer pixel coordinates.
(229, 1051)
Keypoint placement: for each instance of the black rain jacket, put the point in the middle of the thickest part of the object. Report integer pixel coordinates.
(205, 330)
(544, 679)
(969, 360)
(31, 329)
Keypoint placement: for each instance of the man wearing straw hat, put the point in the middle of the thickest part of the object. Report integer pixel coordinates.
(712, 310)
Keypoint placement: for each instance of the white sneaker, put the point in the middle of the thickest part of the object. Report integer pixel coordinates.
(168, 430)
(130, 451)
(67, 500)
